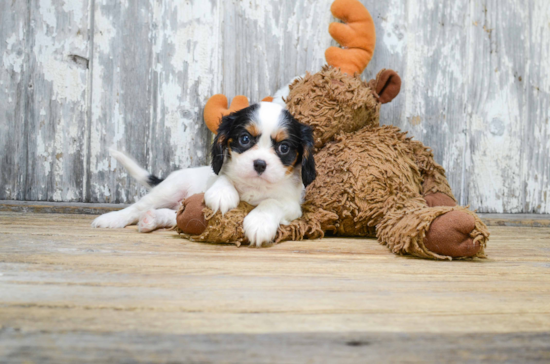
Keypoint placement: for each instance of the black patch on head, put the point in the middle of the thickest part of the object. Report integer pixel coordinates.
(154, 180)
(300, 143)
(308, 162)
(230, 131)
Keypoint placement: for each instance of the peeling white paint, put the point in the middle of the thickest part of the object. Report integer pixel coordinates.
(11, 59)
(47, 11)
(75, 8)
(104, 33)
(156, 63)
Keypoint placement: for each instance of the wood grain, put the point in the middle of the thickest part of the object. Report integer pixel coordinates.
(83, 76)
(70, 292)
(14, 78)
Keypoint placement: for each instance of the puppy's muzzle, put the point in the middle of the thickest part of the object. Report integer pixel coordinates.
(260, 166)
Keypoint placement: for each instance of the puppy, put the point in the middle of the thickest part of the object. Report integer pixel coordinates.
(263, 156)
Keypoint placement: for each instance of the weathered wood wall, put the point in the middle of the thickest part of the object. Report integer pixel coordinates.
(78, 77)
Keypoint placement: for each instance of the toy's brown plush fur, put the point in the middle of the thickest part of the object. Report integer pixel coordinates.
(372, 180)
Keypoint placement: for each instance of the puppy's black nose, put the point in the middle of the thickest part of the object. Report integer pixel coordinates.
(259, 166)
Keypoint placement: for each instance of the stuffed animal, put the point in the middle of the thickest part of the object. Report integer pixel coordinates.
(372, 180)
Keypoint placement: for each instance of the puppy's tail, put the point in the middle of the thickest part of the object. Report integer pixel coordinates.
(141, 175)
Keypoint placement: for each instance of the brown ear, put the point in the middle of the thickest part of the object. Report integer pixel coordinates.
(388, 85)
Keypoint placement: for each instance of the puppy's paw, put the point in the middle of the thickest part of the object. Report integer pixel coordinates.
(112, 220)
(221, 198)
(147, 222)
(260, 228)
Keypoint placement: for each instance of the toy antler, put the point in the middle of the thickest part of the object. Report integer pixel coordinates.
(216, 108)
(357, 37)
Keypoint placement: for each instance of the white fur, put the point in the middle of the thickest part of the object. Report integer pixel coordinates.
(276, 193)
(222, 195)
(140, 174)
(282, 94)
(156, 219)
(167, 195)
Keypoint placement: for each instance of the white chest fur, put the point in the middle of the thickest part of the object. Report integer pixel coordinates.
(254, 192)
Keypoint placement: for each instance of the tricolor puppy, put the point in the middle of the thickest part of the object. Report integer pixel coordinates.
(263, 156)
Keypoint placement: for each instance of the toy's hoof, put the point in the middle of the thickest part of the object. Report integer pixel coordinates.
(191, 219)
(449, 235)
(439, 199)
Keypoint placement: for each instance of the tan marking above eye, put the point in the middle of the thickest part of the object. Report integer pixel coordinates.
(253, 129)
(229, 145)
(281, 135)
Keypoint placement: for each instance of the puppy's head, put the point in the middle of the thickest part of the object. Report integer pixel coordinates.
(263, 142)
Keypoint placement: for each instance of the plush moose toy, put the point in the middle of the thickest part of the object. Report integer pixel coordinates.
(372, 180)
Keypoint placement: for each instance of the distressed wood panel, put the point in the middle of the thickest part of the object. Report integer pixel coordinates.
(476, 87)
(56, 99)
(508, 89)
(266, 44)
(154, 66)
(14, 28)
(121, 95)
(432, 99)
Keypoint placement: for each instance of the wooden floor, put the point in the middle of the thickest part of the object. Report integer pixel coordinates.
(69, 293)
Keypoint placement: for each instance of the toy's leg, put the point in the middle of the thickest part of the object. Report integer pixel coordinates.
(198, 223)
(441, 232)
(435, 188)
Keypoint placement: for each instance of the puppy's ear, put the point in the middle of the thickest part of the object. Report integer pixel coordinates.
(219, 147)
(308, 162)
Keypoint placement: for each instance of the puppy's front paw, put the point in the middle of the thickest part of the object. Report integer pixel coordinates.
(221, 198)
(260, 228)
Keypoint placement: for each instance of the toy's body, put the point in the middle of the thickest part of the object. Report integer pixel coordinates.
(371, 180)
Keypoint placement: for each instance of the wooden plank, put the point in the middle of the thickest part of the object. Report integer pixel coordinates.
(532, 220)
(155, 65)
(315, 347)
(266, 44)
(535, 122)
(14, 35)
(507, 116)
(426, 42)
(70, 291)
(472, 91)
(519, 220)
(56, 104)
(59, 207)
(121, 96)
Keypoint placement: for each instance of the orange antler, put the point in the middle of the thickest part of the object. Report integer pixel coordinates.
(216, 108)
(357, 37)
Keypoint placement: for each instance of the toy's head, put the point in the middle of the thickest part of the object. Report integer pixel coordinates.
(334, 100)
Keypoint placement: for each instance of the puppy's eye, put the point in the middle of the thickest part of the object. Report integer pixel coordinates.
(244, 140)
(284, 148)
